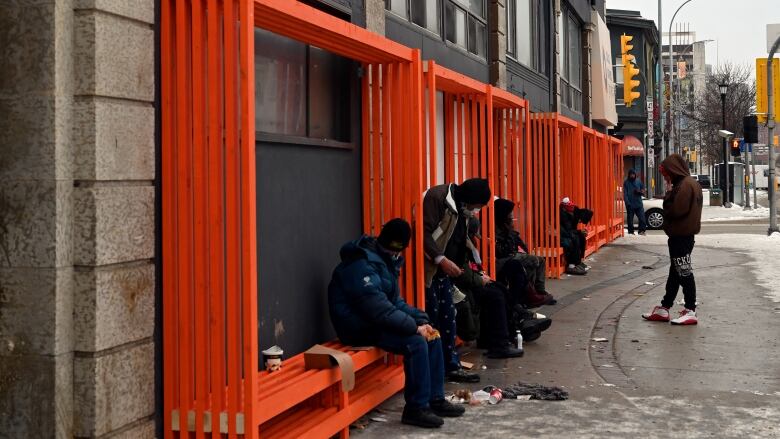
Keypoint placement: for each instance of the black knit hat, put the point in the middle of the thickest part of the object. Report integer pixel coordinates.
(474, 191)
(503, 208)
(395, 235)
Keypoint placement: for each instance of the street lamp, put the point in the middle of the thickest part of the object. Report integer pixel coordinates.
(724, 179)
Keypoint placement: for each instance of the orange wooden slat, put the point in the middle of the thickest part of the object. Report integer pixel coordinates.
(377, 218)
(248, 215)
(417, 190)
(365, 154)
(232, 219)
(216, 207)
(385, 204)
(431, 76)
(200, 217)
(184, 206)
(487, 112)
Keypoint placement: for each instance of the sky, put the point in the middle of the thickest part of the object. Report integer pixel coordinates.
(738, 27)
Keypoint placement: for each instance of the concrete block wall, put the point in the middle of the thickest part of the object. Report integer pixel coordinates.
(77, 215)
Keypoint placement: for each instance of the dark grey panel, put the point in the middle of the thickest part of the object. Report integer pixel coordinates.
(433, 47)
(571, 114)
(581, 8)
(529, 85)
(309, 204)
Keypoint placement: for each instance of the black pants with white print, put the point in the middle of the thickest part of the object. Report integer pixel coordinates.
(680, 272)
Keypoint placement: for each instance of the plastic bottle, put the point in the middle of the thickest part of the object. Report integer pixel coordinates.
(519, 340)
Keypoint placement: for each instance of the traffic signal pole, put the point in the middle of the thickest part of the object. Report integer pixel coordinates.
(770, 125)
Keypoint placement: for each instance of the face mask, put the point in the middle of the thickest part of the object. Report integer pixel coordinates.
(632, 177)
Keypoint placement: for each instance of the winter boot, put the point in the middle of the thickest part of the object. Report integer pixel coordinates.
(424, 418)
(446, 409)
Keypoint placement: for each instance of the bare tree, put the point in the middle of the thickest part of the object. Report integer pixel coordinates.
(705, 114)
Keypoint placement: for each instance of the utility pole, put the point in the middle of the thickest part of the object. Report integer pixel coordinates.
(661, 85)
(724, 174)
(770, 125)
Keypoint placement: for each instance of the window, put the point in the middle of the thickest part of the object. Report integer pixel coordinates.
(464, 21)
(423, 13)
(300, 90)
(527, 28)
(570, 60)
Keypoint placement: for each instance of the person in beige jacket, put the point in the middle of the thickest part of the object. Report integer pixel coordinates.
(447, 210)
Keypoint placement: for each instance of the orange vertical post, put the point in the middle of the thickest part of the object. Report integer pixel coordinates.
(386, 201)
(432, 123)
(365, 154)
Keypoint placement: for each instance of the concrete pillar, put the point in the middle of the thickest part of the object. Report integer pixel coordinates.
(497, 43)
(375, 16)
(556, 35)
(77, 131)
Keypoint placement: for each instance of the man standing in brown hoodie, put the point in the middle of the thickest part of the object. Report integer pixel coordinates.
(682, 220)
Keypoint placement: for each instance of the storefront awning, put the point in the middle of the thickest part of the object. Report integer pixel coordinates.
(632, 146)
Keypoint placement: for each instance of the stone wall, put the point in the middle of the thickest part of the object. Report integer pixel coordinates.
(77, 135)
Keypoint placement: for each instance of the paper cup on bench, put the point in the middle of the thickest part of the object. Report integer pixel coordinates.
(273, 358)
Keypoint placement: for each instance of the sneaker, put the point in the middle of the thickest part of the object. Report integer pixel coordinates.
(642, 233)
(687, 317)
(462, 376)
(658, 314)
(446, 409)
(576, 270)
(584, 265)
(424, 418)
(504, 351)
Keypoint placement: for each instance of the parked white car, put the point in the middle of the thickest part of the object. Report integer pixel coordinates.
(654, 213)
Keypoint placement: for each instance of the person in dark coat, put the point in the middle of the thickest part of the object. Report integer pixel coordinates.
(447, 210)
(572, 239)
(632, 197)
(366, 308)
(682, 221)
(516, 266)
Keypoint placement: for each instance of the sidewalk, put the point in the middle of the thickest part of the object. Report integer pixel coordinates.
(718, 379)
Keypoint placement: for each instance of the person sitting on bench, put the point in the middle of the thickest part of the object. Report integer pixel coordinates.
(366, 309)
(572, 239)
(522, 271)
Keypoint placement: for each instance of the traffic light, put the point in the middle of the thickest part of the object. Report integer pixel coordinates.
(629, 71)
(735, 152)
(750, 129)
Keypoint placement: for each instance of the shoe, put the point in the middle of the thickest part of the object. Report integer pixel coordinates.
(504, 351)
(424, 418)
(576, 270)
(642, 233)
(539, 299)
(462, 376)
(446, 409)
(540, 325)
(584, 266)
(658, 314)
(687, 317)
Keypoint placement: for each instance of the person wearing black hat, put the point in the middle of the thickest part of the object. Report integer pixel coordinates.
(522, 271)
(447, 210)
(366, 309)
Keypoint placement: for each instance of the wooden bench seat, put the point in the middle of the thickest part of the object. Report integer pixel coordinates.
(296, 402)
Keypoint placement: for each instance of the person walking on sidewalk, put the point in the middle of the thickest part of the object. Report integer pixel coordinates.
(682, 214)
(366, 309)
(632, 196)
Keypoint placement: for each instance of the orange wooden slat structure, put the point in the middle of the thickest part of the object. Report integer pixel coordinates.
(212, 385)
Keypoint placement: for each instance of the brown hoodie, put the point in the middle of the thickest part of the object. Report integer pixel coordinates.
(682, 205)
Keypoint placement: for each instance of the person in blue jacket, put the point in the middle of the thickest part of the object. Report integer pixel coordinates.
(366, 308)
(632, 196)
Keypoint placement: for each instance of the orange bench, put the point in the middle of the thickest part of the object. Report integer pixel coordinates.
(296, 402)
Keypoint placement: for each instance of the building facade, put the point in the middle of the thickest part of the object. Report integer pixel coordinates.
(639, 127)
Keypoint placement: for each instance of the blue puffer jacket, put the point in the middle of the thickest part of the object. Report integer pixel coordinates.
(364, 296)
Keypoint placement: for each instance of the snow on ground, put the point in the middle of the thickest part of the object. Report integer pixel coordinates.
(763, 253)
(720, 213)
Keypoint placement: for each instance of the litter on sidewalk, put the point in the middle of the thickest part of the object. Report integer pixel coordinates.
(600, 339)
(535, 391)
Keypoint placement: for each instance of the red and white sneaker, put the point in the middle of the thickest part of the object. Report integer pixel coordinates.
(687, 317)
(658, 314)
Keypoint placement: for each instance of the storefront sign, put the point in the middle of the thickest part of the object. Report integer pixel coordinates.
(604, 110)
